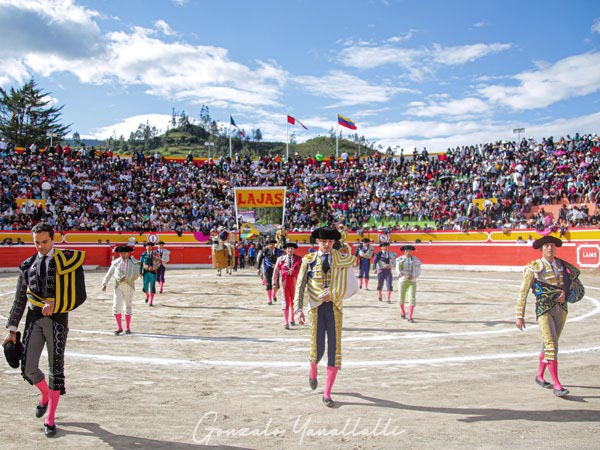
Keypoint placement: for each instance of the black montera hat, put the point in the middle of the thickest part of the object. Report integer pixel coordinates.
(290, 245)
(147, 243)
(538, 243)
(407, 247)
(14, 352)
(123, 248)
(327, 233)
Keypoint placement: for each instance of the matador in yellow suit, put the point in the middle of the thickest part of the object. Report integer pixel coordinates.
(323, 280)
(554, 283)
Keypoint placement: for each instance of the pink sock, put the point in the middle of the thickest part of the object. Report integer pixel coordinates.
(379, 295)
(161, 283)
(361, 281)
(411, 309)
(128, 321)
(270, 295)
(366, 283)
(54, 397)
(43, 388)
(151, 298)
(118, 319)
(331, 374)
(286, 316)
(542, 367)
(313, 371)
(553, 369)
(389, 296)
(402, 309)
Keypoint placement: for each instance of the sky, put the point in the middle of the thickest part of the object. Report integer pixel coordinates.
(410, 73)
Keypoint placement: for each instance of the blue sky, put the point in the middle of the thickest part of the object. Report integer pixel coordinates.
(410, 73)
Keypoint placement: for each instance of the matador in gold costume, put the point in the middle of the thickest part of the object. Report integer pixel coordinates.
(554, 283)
(324, 280)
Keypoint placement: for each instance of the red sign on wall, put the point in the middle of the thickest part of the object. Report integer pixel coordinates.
(588, 256)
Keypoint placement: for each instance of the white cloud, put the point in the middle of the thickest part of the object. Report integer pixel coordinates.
(198, 74)
(481, 24)
(570, 77)
(130, 125)
(438, 136)
(49, 27)
(596, 26)
(164, 28)
(418, 63)
(466, 107)
(465, 53)
(347, 89)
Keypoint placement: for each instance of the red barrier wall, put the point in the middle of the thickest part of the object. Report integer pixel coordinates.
(447, 254)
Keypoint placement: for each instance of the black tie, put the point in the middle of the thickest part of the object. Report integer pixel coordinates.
(326, 266)
(43, 269)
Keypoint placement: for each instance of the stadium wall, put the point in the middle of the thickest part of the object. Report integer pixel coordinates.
(478, 250)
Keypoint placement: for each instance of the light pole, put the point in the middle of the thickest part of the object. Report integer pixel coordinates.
(208, 145)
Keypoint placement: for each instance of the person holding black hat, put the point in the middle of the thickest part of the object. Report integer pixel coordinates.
(555, 283)
(266, 265)
(408, 269)
(149, 264)
(287, 266)
(165, 256)
(382, 264)
(126, 270)
(51, 284)
(364, 252)
(323, 279)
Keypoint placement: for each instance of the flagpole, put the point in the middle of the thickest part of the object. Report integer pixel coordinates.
(336, 139)
(287, 140)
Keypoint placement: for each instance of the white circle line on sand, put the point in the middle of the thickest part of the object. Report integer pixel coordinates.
(141, 361)
(411, 335)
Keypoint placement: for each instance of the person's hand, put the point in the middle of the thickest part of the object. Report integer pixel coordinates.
(103, 287)
(300, 317)
(561, 299)
(325, 295)
(11, 336)
(48, 309)
(521, 324)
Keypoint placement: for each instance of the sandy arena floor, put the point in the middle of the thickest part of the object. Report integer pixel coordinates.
(211, 365)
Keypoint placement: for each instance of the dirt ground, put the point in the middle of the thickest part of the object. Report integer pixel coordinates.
(211, 365)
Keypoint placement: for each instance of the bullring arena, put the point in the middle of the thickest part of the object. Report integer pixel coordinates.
(212, 366)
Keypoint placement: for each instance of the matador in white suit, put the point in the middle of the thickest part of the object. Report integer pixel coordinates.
(126, 269)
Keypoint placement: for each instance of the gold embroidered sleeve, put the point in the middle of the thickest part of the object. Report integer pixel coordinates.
(528, 277)
(301, 286)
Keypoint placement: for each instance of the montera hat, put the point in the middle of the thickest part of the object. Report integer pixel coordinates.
(539, 243)
(384, 244)
(366, 240)
(326, 233)
(14, 352)
(123, 248)
(147, 243)
(290, 245)
(407, 247)
(271, 241)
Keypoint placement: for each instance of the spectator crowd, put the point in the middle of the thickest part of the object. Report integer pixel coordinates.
(493, 185)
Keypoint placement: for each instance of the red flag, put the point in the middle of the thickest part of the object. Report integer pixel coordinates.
(293, 121)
